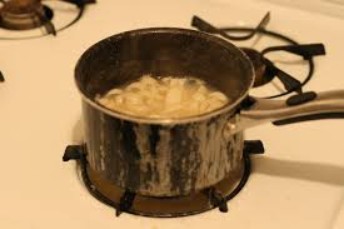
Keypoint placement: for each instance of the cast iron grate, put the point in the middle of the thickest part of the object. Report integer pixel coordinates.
(35, 18)
(129, 202)
(265, 69)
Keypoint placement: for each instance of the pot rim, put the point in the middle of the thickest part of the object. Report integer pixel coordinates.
(168, 121)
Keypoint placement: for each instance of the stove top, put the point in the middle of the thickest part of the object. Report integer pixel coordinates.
(296, 184)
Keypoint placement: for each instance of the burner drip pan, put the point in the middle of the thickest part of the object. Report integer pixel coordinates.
(24, 14)
(216, 196)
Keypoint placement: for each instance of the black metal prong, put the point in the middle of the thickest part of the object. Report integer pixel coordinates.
(50, 28)
(217, 199)
(48, 25)
(2, 78)
(254, 147)
(126, 202)
(264, 22)
(205, 26)
(289, 82)
(80, 3)
(73, 152)
(307, 51)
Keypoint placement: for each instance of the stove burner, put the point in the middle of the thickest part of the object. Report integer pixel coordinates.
(259, 65)
(20, 15)
(265, 69)
(24, 14)
(127, 201)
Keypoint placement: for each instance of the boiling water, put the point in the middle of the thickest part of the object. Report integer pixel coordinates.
(165, 97)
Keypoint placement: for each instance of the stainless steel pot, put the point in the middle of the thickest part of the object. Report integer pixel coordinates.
(174, 157)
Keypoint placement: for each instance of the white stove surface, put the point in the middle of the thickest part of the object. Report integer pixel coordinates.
(298, 183)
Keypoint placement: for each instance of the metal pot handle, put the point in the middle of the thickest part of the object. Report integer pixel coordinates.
(298, 108)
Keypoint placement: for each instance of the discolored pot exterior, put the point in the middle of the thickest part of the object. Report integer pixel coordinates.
(163, 157)
(175, 157)
(162, 160)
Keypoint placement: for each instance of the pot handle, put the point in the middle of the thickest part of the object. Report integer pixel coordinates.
(298, 108)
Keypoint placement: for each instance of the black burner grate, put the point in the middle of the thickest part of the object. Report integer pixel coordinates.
(269, 71)
(43, 18)
(127, 201)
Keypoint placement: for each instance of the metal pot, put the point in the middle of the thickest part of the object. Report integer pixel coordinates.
(174, 157)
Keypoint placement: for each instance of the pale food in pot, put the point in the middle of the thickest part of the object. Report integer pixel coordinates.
(164, 97)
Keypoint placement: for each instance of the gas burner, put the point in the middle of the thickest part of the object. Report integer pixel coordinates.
(127, 201)
(24, 14)
(259, 65)
(23, 19)
(266, 70)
